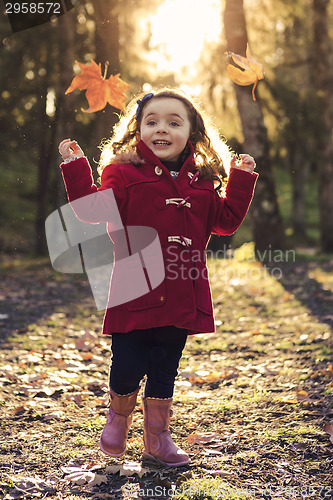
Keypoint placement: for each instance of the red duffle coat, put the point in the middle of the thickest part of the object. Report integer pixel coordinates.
(141, 185)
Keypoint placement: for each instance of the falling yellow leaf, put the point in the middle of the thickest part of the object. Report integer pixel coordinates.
(247, 71)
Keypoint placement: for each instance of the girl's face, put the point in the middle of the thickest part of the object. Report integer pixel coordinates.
(165, 127)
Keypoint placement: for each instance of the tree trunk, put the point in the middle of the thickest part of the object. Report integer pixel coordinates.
(267, 224)
(323, 80)
(55, 129)
(65, 103)
(299, 176)
(107, 50)
(44, 166)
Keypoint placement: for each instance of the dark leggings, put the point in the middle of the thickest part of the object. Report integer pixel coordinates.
(155, 352)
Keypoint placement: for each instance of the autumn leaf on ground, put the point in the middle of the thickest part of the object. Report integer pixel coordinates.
(205, 377)
(328, 370)
(80, 476)
(127, 469)
(329, 429)
(203, 438)
(247, 71)
(29, 486)
(216, 472)
(303, 396)
(99, 90)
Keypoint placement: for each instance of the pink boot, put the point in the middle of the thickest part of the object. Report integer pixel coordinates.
(156, 436)
(118, 421)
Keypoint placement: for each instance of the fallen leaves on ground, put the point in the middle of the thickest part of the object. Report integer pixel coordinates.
(30, 486)
(255, 413)
(80, 475)
(217, 472)
(86, 475)
(329, 429)
(207, 377)
(203, 438)
(127, 469)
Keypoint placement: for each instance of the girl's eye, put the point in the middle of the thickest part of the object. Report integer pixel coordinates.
(151, 122)
(174, 124)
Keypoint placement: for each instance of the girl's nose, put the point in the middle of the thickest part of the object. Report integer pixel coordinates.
(161, 129)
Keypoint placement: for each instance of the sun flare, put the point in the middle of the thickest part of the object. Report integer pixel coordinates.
(179, 30)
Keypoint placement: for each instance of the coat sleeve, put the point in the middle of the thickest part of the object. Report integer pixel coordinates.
(92, 204)
(230, 210)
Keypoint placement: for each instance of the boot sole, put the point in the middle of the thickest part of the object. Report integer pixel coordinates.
(115, 455)
(147, 456)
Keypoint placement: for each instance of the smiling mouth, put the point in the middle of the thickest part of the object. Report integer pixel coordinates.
(161, 143)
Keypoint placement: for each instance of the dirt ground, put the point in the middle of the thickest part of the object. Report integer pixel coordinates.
(253, 401)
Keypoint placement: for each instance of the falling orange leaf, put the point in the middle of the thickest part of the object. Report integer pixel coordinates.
(99, 90)
(247, 71)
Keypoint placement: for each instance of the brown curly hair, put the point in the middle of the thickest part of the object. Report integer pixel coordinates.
(208, 160)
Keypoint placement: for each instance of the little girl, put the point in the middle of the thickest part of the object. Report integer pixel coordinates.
(162, 169)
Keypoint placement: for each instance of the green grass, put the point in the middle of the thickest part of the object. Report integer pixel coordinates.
(296, 435)
(79, 441)
(221, 406)
(323, 353)
(96, 424)
(284, 194)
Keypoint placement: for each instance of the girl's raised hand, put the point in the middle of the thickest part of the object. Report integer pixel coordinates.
(69, 148)
(246, 162)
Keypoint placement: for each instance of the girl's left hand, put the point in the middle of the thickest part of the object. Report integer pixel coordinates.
(246, 162)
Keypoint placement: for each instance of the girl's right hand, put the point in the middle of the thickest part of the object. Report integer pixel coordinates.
(246, 162)
(69, 148)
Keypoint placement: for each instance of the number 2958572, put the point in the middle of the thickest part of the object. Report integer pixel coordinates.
(33, 8)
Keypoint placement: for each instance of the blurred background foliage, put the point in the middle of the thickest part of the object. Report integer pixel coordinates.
(181, 43)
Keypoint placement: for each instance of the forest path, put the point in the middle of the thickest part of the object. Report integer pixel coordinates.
(253, 402)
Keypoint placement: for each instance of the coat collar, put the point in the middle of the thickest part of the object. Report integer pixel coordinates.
(148, 156)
